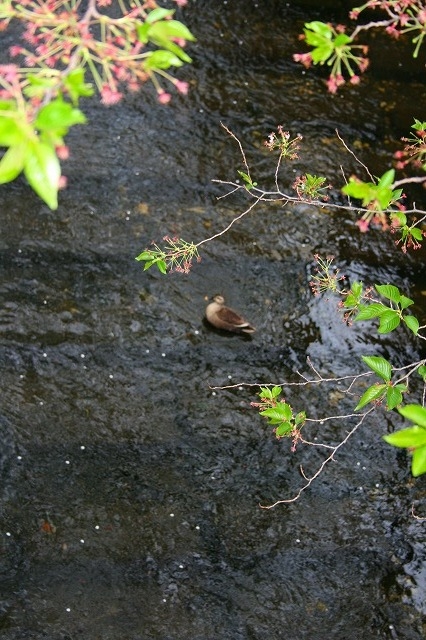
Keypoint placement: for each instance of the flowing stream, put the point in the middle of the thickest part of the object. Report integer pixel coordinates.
(130, 488)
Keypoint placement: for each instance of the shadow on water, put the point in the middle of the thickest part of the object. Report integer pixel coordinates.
(129, 485)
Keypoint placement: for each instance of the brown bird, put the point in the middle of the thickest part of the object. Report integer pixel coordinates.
(223, 317)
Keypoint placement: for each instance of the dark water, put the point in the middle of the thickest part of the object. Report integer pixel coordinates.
(129, 487)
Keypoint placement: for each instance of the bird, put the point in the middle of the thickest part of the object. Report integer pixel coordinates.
(222, 317)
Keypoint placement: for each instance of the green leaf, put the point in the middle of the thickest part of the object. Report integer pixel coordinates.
(275, 391)
(12, 163)
(389, 291)
(321, 28)
(369, 311)
(162, 59)
(300, 418)
(416, 233)
(387, 179)
(373, 393)
(10, 132)
(158, 14)
(59, 115)
(422, 372)
(75, 85)
(405, 302)
(418, 462)
(389, 320)
(280, 412)
(145, 255)
(393, 397)
(412, 323)
(411, 437)
(42, 170)
(162, 266)
(415, 413)
(172, 29)
(379, 365)
(283, 429)
(357, 288)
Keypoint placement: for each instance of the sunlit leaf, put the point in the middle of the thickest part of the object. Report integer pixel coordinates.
(59, 115)
(369, 311)
(389, 291)
(145, 255)
(379, 365)
(387, 178)
(411, 437)
(412, 323)
(12, 163)
(373, 393)
(415, 413)
(389, 320)
(405, 302)
(283, 429)
(418, 462)
(393, 397)
(42, 170)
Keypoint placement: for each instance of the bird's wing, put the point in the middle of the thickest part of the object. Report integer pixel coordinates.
(229, 316)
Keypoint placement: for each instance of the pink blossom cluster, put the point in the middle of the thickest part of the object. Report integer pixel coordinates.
(403, 16)
(59, 35)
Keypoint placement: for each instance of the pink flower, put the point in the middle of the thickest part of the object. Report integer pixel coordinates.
(62, 182)
(355, 80)
(62, 152)
(363, 225)
(9, 72)
(182, 87)
(110, 96)
(363, 64)
(164, 97)
(304, 58)
(15, 50)
(181, 3)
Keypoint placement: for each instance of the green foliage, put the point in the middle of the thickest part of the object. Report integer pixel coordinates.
(311, 187)
(413, 438)
(176, 255)
(248, 183)
(32, 145)
(376, 196)
(279, 413)
(379, 392)
(163, 33)
(389, 316)
(326, 42)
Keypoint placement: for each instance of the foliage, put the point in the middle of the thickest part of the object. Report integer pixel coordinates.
(413, 438)
(65, 41)
(336, 49)
(176, 255)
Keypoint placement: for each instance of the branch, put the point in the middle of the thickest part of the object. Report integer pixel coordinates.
(310, 480)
